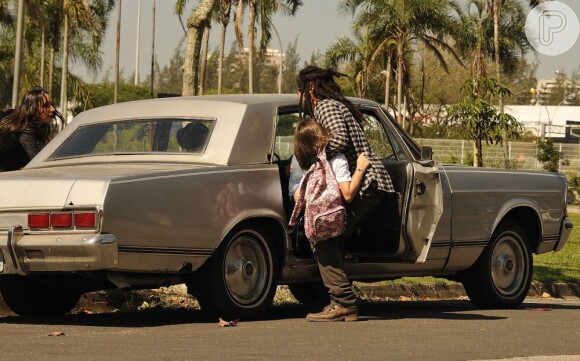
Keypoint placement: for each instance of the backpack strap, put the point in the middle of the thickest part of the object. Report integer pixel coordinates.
(301, 202)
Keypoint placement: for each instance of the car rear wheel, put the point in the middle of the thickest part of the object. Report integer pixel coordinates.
(240, 279)
(502, 275)
(29, 297)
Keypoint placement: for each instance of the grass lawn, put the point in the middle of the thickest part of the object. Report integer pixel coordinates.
(562, 266)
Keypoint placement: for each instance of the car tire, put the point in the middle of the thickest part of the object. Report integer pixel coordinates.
(502, 275)
(311, 293)
(29, 297)
(239, 281)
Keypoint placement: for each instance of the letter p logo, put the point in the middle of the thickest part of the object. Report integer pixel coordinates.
(552, 22)
(552, 28)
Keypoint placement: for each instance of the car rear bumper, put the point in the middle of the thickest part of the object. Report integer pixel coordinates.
(565, 231)
(22, 253)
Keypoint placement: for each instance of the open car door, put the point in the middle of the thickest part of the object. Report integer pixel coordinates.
(422, 209)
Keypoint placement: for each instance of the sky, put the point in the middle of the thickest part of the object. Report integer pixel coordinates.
(316, 25)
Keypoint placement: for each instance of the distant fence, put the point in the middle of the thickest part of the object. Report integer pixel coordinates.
(522, 155)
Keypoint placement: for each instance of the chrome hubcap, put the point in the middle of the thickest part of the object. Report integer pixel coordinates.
(246, 270)
(508, 266)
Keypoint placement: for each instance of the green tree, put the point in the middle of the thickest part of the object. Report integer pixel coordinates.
(481, 120)
(360, 52)
(549, 156)
(291, 62)
(223, 14)
(403, 24)
(170, 77)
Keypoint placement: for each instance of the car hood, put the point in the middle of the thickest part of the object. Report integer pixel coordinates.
(71, 186)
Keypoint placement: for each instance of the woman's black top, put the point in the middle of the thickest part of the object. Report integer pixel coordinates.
(17, 149)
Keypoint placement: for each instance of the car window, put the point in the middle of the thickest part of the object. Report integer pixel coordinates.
(379, 140)
(137, 136)
(284, 144)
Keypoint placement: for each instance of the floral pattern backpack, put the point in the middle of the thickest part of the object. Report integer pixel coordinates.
(321, 200)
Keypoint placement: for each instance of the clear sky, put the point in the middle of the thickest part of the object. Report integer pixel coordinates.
(316, 25)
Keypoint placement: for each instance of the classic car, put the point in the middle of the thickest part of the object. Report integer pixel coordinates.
(118, 200)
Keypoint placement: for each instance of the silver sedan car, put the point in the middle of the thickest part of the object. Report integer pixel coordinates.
(194, 190)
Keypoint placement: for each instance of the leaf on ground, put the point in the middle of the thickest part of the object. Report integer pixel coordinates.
(223, 323)
(56, 333)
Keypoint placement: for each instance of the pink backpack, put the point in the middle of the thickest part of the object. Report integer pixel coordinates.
(321, 200)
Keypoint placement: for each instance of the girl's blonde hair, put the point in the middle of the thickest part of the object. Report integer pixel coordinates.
(309, 138)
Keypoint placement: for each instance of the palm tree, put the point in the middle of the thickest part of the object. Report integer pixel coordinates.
(402, 23)
(476, 23)
(477, 43)
(223, 14)
(196, 23)
(261, 11)
(361, 53)
(86, 19)
(496, 7)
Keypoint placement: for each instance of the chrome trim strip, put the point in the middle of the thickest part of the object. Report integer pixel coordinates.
(171, 251)
(457, 244)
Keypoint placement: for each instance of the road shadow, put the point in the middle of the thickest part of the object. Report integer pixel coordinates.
(383, 310)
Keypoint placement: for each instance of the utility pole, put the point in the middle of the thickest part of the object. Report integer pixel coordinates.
(137, 42)
(18, 54)
(153, 53)
(117, 50)
(280, 70)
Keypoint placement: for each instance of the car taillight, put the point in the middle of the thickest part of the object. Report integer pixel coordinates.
(61, 220)
(39, 221)
(85, 219)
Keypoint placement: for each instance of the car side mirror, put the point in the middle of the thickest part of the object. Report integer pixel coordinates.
(426, 153)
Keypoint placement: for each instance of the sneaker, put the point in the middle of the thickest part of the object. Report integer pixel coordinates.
(334, 312)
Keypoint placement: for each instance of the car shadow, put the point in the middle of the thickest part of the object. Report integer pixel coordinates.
(368, 311)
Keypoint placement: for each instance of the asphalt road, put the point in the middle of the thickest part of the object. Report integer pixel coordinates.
(413, 330)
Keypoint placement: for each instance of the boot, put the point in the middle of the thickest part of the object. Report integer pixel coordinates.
(334, 312)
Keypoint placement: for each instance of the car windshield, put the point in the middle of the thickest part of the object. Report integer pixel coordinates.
(138, 137)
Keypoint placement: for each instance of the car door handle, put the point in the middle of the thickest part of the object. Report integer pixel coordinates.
(420, 187)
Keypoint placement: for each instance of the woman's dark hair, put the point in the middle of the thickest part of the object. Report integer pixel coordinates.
(26, 118)
(321, 80)
(309, 138)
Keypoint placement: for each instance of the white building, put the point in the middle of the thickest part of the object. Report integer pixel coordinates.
(550, 117)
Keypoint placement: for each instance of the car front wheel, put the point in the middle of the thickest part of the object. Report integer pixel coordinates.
(29, 297)
(240, 279)
(502, 275)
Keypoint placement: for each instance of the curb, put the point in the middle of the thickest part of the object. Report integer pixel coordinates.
(454, 290)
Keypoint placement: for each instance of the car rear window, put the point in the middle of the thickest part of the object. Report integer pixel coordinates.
(138, 137)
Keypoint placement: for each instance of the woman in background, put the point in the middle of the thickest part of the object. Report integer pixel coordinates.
(24, 131)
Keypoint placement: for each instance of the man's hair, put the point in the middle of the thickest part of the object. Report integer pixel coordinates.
(192, 137)
(324, 87)
(309, 138)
